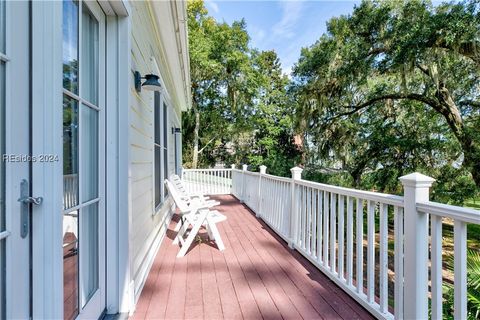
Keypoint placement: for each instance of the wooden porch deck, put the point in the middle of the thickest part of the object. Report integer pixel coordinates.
(257, 276)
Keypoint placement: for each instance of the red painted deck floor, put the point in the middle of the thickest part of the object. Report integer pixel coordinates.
(257, 276)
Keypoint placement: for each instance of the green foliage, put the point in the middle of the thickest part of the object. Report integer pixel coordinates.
(454, 185)
(473, 287)
(241, 111)
(394, 88)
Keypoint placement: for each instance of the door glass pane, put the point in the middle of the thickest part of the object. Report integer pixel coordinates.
(70, 152)
(70, 264)
(2, 145)
(70, 45)
(89, 65)
(2, 26)
(2, 190)
(89, 153)
(89, 252)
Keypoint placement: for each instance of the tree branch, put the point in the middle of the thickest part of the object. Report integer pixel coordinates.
(471, 103)
(210, 141)
(394, 96)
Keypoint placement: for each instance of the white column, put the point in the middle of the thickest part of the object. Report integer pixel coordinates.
(416, 189)
(263, 170)
(296, 175)
(244, 168)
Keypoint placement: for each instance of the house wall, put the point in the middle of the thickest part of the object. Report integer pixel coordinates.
(148, 226)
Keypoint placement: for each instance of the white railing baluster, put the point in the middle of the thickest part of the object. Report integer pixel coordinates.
(398, 257)
(341, 233)
(359, 246)
(333, 222)
(436, 267)
(383, 256)
(224, 181)
(460, 270)
(325, 229)
(349, 241)
(303, 214)
(370, 251)
(308, 229)
(276, 217)
(286, 225)
(314, 224)
(320, 227)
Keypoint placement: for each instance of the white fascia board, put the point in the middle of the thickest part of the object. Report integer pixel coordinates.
(114, 7)
(170, 19)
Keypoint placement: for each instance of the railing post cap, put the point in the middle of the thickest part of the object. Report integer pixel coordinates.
(263, 169)
(417, 179)
(233, 166)
(244, 167)
(296, 173)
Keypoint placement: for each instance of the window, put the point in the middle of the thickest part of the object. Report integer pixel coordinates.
(161, 149)
(165, 146)
(158, 151)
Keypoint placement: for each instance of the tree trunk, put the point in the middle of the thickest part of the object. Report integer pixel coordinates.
(471, 154)
(469, 142)
(356, 175)
(196, 138)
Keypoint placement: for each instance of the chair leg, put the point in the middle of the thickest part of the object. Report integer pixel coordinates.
(179, 224)
(181, 228)
(193, 233)
(209, 231)
(216, 236)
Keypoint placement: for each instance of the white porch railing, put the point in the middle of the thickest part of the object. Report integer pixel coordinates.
(326, 225)
(70, 190)
(208, 181)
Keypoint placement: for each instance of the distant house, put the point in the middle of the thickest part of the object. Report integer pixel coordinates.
(85, 149)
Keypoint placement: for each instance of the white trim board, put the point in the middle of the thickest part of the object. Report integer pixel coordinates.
(147, 262)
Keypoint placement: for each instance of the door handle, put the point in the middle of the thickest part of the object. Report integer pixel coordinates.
(26, 201)
(32, 200)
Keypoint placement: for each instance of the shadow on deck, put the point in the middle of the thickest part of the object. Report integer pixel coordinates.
(257, 276)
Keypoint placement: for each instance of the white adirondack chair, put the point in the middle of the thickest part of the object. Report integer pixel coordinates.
(179, 185)
(196, 214)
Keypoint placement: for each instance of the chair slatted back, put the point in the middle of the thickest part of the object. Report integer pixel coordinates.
(177, 198)
(178, 183)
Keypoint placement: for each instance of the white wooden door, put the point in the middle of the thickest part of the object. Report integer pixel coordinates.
(15, 226)
(83, 159)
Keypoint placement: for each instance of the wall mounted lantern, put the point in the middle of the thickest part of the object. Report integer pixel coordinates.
(151, 82)
(176, 130)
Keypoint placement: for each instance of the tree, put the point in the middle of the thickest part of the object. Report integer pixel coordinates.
(222, 76)
(272, 142)
(399, 51)
(241, 110)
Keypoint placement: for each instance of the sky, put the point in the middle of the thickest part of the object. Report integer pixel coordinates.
(284, 26)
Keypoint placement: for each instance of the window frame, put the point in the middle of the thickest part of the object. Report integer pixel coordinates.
(160, 143)
(157, 145)
(165, 152)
